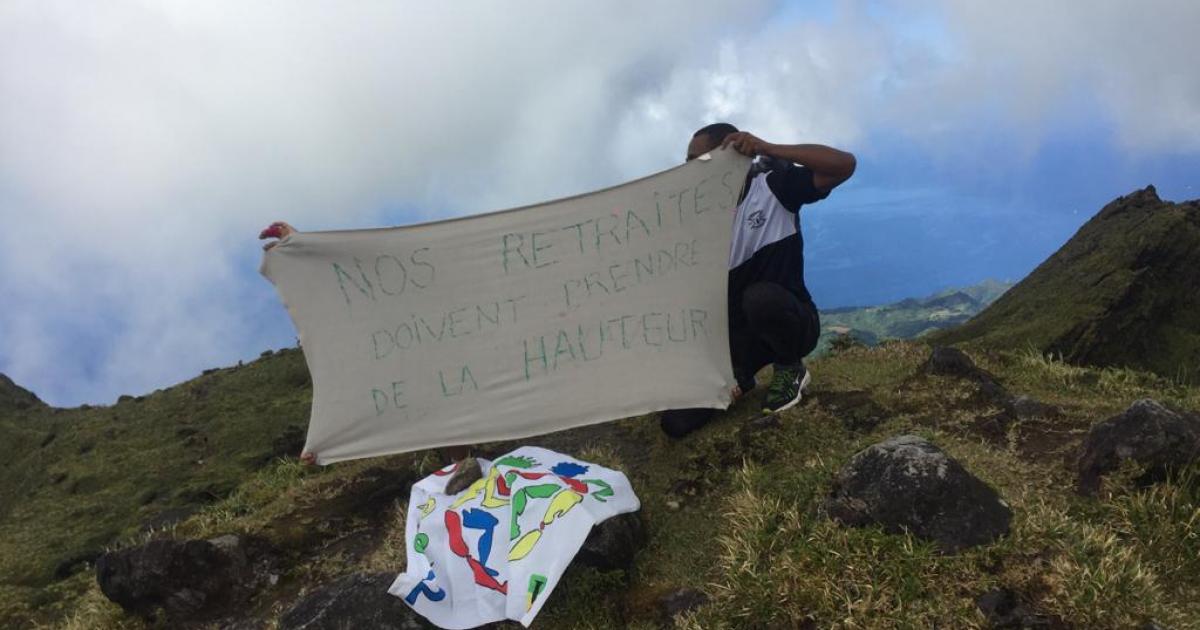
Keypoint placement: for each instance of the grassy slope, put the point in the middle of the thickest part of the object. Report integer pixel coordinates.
(76, 479)
(741, 520)
(1123, 291)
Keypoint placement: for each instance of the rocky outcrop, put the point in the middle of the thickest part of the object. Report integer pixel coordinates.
(188, 580)
(908, 484)
(613, 544)
(359, 600)
(1148, 433)
(947, 361)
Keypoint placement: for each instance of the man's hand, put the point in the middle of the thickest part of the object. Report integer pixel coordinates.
(308, 459)
(747, 144)
(830, 166)
(279, 230)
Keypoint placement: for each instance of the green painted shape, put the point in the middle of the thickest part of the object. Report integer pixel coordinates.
(604, 491)
(521, 499)
(516, 462)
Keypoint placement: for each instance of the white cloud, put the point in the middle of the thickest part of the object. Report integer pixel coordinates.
(1040, 62)
(142, 145)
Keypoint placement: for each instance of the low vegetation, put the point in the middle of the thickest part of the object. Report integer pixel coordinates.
(732, 513)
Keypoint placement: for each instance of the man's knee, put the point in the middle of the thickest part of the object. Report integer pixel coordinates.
(680, 422)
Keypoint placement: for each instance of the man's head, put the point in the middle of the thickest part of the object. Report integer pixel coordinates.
(708, 138)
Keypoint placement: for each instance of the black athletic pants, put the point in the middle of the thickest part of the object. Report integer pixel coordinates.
(774, 326)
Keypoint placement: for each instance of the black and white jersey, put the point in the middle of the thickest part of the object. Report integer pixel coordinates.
(767, 243)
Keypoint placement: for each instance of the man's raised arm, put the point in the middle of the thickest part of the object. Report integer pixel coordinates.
(830, 166)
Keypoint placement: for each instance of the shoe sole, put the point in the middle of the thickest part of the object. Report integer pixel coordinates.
(795, 401)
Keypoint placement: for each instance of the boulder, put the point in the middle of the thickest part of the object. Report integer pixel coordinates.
(907, 483)
(1148, 433)
(190, 580)
(613, 544)
(358, 600)
(467, 473)
(947, 361)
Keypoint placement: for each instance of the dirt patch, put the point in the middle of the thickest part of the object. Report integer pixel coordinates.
(856, 409)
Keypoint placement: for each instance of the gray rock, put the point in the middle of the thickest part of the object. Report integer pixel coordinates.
(613, 544)
(467, 473)
(358, 600)
(1156, 437)
(190, 580)
(907, 483)
(947, 361)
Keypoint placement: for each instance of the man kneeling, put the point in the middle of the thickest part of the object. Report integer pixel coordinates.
(772, 318)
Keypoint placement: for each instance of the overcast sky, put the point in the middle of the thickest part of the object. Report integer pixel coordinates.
(144, 144)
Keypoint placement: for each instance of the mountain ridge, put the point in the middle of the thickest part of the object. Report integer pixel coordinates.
(1122, 291)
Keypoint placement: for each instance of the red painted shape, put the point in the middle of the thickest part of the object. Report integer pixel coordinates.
(454, 529)
(484, 579)
(450, 471)
(575, 484)
(459, 546)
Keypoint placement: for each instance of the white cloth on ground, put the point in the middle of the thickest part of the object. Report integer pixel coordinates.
(496, 550)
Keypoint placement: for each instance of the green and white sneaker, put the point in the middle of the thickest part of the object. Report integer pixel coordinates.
(787, 387)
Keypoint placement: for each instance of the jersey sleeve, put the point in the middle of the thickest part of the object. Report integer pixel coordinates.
(793, 186)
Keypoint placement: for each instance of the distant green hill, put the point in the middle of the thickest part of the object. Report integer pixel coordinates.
(908, 318)
(1124, 291)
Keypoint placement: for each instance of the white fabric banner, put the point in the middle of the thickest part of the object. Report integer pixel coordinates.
(516, 323)
(496, 550)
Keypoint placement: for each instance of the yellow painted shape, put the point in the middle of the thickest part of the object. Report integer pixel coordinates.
(524, 545)
(561, 504)
(490, 500)
(469, 494)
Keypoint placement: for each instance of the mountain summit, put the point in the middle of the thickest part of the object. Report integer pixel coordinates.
(1124, 291)
(13, 396)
